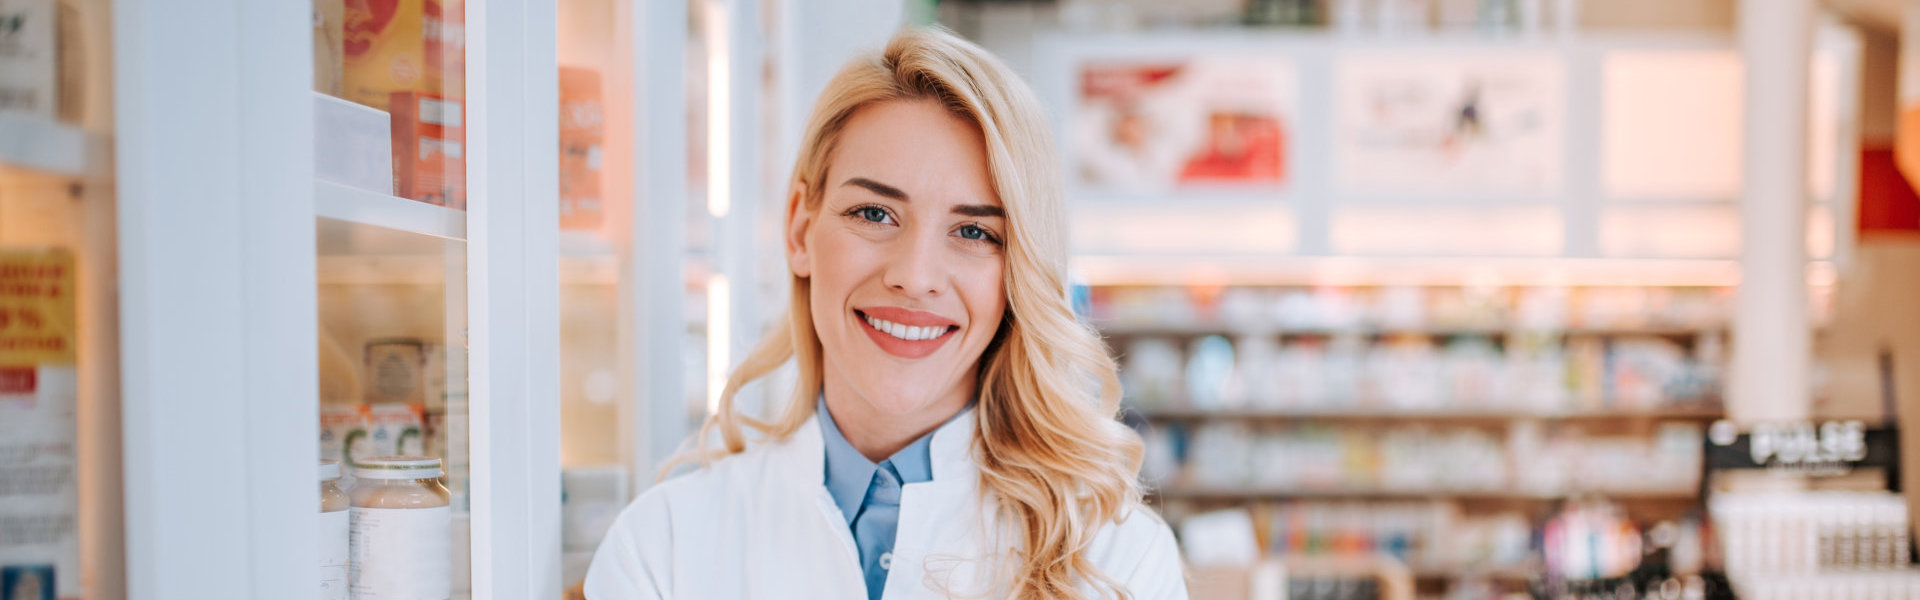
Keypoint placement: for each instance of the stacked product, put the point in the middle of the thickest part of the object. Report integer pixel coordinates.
(1818, 544)
(1427, 535)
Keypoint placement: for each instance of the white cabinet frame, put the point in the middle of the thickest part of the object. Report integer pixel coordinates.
(218, 298)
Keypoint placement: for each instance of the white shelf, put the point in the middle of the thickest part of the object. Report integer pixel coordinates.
(1174, 269)
(1194, 329)
(1698, 413)
(1259, 492)
(354, 205)
(42, 144)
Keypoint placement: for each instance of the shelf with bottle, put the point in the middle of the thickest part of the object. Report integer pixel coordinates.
(1126, 329)
(1707, 411)
(1196, 492)
(1520, 460)
(1440, 542)
(1421, 310)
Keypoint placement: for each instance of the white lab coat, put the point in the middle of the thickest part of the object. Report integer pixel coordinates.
(761, 524)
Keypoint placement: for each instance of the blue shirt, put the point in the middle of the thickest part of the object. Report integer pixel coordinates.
(869, 494)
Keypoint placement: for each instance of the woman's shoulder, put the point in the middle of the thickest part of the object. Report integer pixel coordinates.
(1139, 550)
(701, 482)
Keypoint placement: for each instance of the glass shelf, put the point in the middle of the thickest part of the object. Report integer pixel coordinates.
(350, 204)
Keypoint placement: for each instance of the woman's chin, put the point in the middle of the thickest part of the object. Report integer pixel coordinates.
(898, 402)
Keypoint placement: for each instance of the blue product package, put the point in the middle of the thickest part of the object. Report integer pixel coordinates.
(26, 582)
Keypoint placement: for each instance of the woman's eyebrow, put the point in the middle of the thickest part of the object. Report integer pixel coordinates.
(979, 210)
(878, 188)
(966, 210)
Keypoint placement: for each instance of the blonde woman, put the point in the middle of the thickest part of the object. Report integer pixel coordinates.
(952, 431)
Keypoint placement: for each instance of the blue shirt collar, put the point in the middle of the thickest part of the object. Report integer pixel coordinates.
(849, 472)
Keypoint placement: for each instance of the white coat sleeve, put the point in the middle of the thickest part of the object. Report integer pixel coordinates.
(635, 560)
(1158, 574)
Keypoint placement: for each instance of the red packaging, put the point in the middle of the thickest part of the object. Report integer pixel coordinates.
(429, 148)
(582, 132)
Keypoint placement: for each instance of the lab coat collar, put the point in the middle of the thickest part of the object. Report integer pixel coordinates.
(802, 456)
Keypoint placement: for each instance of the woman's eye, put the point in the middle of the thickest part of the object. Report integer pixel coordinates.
(976, 233)
(872, 213)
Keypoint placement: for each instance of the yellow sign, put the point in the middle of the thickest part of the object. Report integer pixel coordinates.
(37, 308)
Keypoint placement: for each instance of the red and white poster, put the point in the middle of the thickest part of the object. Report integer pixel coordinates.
(1146, 126)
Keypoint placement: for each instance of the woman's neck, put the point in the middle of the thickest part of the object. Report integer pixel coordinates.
(878, 434)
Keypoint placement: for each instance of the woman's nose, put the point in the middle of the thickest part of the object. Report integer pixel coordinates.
(914, 267)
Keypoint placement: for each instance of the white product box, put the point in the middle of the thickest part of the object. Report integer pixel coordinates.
(29, 57)
(353, 144)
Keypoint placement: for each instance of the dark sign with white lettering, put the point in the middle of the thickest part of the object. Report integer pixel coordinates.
(1817, 449)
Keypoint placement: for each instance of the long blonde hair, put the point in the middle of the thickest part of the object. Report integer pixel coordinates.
(1048, 447)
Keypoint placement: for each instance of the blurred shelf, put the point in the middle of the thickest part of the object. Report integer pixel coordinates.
(1251, 269)
(1701, 413)
(1496, 573)
(354, 205)
(1314, 566)
(585, 244)
(41, 144)
(1198, 492)
(1117, 329)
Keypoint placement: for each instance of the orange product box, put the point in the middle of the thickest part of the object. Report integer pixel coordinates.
(582, 132)
(429, 148)
(383, 50)
(392, 46)
(446, 48)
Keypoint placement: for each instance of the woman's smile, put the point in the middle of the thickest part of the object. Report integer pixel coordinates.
(906, 333)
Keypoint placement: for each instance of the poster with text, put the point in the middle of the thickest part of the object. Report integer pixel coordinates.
(39, 496)
(1146, 126)
(1450, 125)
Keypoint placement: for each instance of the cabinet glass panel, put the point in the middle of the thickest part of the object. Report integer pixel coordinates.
(609, 293)
(596, 178)
(390, 197)
(61, 530)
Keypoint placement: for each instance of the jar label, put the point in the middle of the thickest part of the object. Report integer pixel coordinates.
(333, 555)
(402, 553)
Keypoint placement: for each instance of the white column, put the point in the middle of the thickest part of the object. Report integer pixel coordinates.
(653, 288)
(1771, 339)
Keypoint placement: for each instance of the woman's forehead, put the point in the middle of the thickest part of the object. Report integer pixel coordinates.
(917, 148)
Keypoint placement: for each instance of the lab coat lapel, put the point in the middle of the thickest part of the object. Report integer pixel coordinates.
(800, 464)
(942, 538)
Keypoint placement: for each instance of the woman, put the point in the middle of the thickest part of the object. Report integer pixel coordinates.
(946, 437)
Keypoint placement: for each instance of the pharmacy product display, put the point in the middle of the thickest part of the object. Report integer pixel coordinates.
(401, 530)
(334, 527)
(1520, 460)
(1423, 349)
(404, 61)
(1471, 433)
(40, 462)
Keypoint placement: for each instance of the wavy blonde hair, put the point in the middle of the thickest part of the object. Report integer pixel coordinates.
(1049, 449)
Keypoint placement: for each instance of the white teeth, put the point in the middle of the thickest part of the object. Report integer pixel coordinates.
(904, 332)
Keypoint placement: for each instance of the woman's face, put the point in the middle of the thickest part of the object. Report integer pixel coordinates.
(905, 255)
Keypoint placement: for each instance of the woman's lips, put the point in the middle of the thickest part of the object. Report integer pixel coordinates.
(905, 333)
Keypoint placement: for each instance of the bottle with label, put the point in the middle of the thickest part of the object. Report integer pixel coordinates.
(400, 543)
(333, 533)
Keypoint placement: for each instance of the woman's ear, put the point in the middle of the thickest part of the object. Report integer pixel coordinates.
(799, 222)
